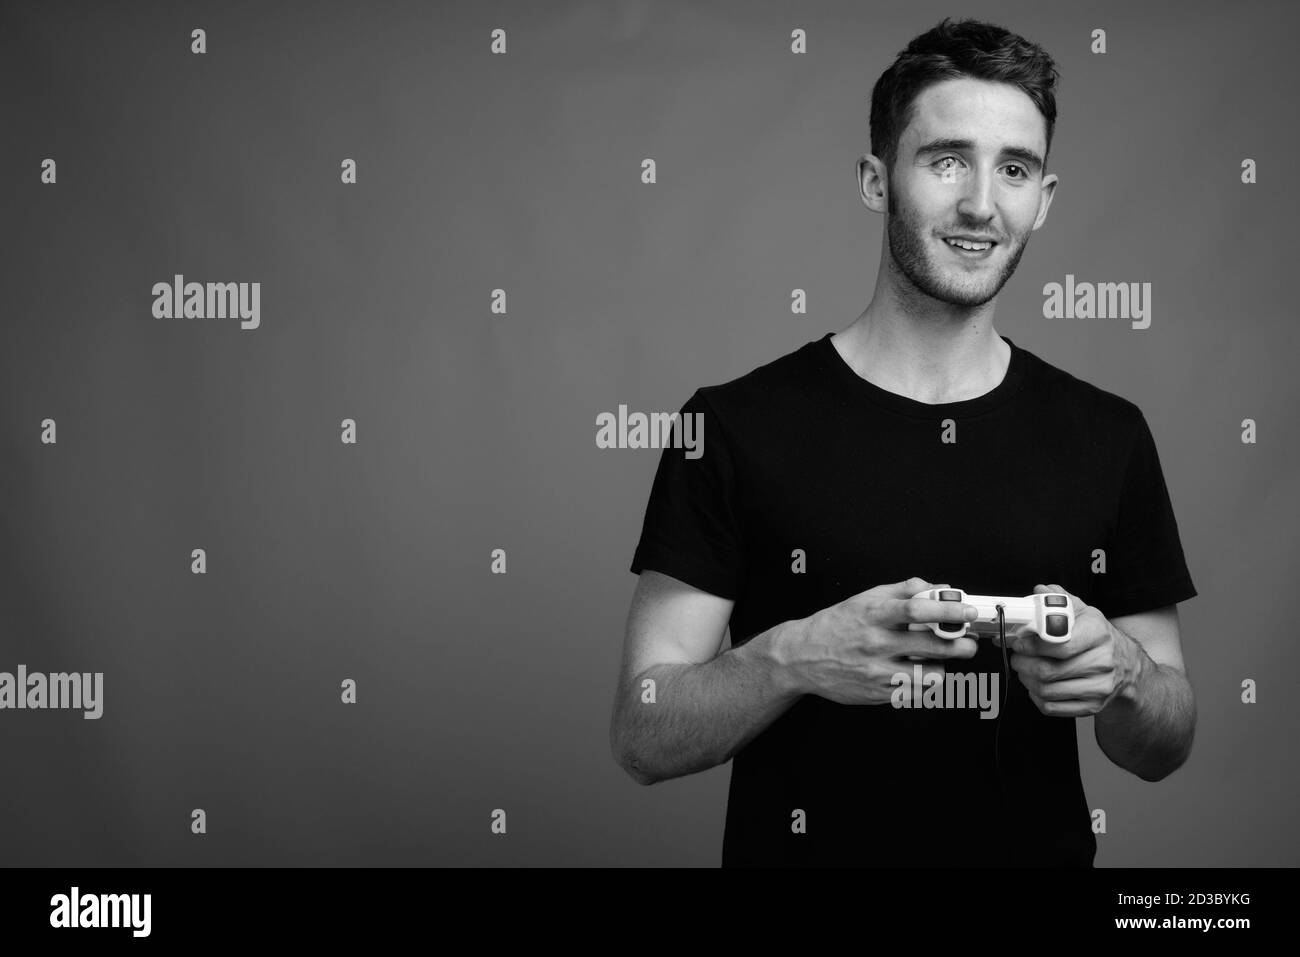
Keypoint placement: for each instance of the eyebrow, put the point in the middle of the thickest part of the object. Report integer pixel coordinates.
(1026, 156)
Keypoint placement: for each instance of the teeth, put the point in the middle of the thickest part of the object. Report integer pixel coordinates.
(967, 245)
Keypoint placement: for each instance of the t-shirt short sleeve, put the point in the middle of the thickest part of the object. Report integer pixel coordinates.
(691, 531)
(1145, 567)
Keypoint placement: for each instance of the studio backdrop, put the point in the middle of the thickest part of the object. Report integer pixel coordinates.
(312, 311)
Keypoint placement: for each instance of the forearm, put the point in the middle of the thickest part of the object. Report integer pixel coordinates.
(1148, 728)
(702, 714)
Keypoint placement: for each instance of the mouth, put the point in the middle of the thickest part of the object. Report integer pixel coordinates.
(969, 247)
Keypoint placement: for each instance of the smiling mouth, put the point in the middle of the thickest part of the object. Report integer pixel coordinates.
(970, 246)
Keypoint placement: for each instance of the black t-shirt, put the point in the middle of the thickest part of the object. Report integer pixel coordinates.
(803, 453)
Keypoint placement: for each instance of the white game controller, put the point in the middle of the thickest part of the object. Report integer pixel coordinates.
(1050, 615)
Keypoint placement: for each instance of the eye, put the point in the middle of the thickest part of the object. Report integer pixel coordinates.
(938, 164)
(1023, 171)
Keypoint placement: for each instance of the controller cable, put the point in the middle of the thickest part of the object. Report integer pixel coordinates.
(1006, 688)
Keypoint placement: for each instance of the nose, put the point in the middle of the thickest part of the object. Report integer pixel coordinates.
(976, 201)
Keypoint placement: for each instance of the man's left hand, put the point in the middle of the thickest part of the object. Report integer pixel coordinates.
(1081, 676)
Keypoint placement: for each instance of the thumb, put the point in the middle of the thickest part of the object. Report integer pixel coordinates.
(1057, 589)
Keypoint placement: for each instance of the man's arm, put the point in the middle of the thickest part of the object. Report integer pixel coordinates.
(1127, 673)
(706, 705)
(1147, 728)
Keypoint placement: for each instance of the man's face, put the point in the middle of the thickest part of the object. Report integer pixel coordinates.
(969, 164)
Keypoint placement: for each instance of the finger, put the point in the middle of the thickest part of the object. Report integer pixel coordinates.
(1028, 667)
(1021, 642)
(926, 644)
(1085, 635)
(1067, 709)
(922, 611)
(903, 589)
(1079, 690)
(1074, 708)
(1088, 664)
(1025, 641)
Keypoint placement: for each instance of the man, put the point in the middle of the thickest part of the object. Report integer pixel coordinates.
(918, 448)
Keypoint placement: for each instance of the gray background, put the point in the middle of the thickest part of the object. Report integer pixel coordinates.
(479, 691)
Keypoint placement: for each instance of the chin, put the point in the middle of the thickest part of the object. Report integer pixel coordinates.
(967, 297)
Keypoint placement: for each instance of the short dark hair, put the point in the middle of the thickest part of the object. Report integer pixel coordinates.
(966, 48)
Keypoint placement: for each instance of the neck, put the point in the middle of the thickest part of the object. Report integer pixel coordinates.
(948, 354)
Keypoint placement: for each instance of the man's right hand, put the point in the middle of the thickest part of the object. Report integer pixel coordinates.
(850, 652)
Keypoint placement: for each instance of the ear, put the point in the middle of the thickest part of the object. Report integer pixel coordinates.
(873, 183)
(1046, 192)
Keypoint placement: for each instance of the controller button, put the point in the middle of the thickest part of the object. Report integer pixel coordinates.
(1057, 626)
(1054, 601)
(946, 595)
